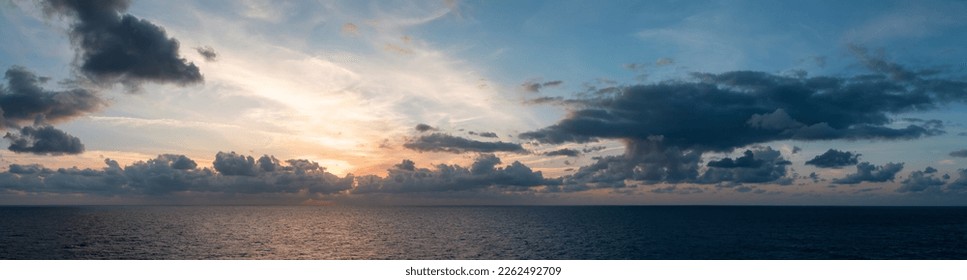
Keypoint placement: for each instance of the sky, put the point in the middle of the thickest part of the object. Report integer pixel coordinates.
(483, 102)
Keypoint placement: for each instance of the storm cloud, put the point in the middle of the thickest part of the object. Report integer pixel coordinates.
(834, 159)
(439, 142)
(115, 47)
(668, 126)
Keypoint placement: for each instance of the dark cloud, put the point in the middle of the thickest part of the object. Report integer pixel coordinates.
(834, 159)
(920, 181)
(23, 100)
(26, 108)
(439, 142)
(959, 153)
(747, 160)
(866, 172)
(424, 127)
(116, 47)
(724, 111)
(484, 134)
(593, 149)
(648, 162)
(208, 53)
(564, 152)
(960, 184)
(484, 174)
(28, 169)
(533, 86)
(179, 162)
(761, 165)
(43, 140)
(552, 83)
(236, 165)
(36, 179)
(667, 126)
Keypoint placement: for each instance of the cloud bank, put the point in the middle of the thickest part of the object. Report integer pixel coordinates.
(172, 176)
(834, 159)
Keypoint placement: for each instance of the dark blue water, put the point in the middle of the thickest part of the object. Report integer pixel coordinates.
(579, 232)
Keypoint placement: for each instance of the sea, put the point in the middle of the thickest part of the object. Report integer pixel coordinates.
(482, 233)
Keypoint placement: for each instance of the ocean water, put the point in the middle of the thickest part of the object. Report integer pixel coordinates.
(557, 232)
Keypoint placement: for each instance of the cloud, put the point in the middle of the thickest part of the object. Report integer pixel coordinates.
(649, 162)
(564, 152)
(960, 184)
(169, 174)
(484, 174)
(834, 159)
(27, 109)
(959, 153)
(866, 172)
(593, 149)
(746, 161)
(920, 181)
(552, 83)
(424, 127)
(208, 53)
(664, 61)
(234, 164)
(534, 86)
(483, 134)
(24, 101)
(667, 126)
(116, 47)
(761, 165)
(439, 142)
(531, 86)
(745, 107)
(44, 140)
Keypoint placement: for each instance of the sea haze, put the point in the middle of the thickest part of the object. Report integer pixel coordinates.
(552, 232)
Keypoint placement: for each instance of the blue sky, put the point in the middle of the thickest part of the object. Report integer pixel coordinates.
(521, 102)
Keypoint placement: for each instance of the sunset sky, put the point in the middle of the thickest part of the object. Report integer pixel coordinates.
(484, 102)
